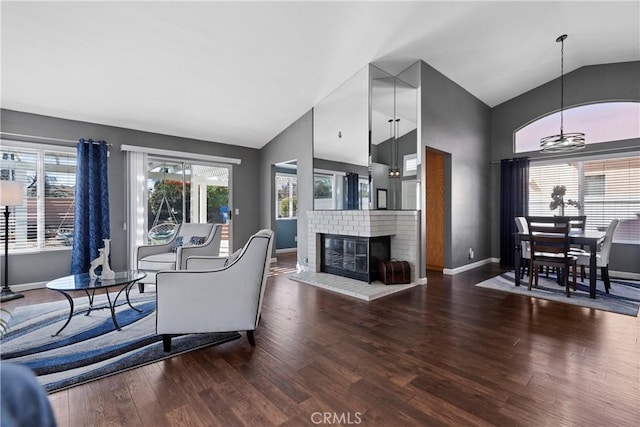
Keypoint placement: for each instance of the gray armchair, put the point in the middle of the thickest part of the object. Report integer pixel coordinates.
(190, 239)
(215, 294)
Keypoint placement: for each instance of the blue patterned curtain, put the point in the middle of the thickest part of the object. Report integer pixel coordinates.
(514, 201)
(91, 220)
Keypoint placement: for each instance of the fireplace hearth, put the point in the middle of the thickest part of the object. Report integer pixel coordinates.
(352, 256)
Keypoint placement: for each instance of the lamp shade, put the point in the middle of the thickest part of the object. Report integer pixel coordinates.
(11, 193)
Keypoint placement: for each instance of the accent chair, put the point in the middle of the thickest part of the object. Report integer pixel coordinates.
(525, 246)
(215, 294)
(190, 239)
(602, 256)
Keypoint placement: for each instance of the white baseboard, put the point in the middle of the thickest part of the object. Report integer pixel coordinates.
(274, 260)
(621, 275)
(286, 250)
(453, 271)
(421, 281)
(27, 286)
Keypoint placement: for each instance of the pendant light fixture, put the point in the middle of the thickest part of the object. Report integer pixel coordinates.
(394, 125)
(564, 141)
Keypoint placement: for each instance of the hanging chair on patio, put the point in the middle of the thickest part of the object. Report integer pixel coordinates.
(162, 231)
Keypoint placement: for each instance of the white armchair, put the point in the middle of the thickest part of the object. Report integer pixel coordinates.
(602, 256)
(215, 294)
(190, 239)
(525, 246)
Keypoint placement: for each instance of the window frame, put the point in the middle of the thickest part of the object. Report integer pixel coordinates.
(580, 162)
(603, 122)
(41, 151)
(290, 177)
(410, 165)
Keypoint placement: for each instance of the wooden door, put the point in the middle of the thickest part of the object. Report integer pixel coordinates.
(435, 212)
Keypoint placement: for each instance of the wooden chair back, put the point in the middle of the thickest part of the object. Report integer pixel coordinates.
(549, 236)
(550, 246)
(577, 223)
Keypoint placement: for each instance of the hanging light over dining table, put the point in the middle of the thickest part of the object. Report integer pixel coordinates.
(562, 142)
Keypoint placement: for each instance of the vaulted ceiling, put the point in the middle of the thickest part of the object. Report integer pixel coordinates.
(241, 72)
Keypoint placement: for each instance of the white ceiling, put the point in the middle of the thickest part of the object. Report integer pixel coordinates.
(241, 72)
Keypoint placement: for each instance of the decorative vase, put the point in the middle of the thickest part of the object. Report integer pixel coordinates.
(102, 260)
(107, 272)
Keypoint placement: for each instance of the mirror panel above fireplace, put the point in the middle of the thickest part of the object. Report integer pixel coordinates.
(366, 130)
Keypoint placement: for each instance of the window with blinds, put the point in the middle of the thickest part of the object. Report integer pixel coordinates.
(605, 189)
(45, 220)
(286, 195)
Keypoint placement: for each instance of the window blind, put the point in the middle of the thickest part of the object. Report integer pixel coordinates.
(606, 189)
(45, 219)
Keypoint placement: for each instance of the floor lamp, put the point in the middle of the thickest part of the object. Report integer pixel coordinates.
(11, 193)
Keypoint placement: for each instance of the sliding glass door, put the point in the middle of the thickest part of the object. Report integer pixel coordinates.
(179, 191)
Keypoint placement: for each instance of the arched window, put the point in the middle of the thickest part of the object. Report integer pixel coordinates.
(602, 187)
(601, 122)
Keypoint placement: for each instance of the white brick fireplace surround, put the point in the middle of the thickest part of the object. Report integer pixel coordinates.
(402, 226)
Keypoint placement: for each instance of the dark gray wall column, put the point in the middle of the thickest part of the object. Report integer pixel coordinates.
(457, 123)
(294, 143)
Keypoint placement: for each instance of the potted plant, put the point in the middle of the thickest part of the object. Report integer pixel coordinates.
(557, 199)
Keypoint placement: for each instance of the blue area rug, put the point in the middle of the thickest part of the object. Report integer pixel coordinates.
(624, 296)
(90, 347)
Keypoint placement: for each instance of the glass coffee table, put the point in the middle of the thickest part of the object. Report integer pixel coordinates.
(83, 282)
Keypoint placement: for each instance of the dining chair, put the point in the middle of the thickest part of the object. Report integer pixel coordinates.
(550, 245)
(525, 246)
(602, 256)
(578, 223)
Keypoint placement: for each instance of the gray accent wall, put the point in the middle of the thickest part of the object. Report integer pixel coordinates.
(48, 265)
(458, 124)
(293, 143)
(286, 233)
(596, 83)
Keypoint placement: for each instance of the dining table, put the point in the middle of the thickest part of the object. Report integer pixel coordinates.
(588, 238)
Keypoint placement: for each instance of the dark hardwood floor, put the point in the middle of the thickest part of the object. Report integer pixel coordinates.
(444, 354)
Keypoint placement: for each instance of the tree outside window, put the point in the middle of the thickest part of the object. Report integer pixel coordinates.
(286, 196)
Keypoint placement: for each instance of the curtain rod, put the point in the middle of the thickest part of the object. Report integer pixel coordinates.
(575, 154)
(180, 154)
(46, 138)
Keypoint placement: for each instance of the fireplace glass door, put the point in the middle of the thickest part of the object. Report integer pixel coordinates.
(354, 257)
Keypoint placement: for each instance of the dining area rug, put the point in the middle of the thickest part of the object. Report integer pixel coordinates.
(623, 297)
(90, 347)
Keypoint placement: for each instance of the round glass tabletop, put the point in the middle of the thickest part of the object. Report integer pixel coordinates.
(79, 282)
